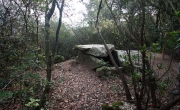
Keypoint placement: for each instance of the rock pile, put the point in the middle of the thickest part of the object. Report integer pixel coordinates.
(95, 57)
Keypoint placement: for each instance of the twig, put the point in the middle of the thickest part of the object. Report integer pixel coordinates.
(172, 6)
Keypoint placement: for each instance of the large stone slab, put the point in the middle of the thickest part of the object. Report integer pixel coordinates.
(121, 57)
(96, 50)
(89, 61)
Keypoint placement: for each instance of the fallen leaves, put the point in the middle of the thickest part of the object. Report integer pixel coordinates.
(82, 89)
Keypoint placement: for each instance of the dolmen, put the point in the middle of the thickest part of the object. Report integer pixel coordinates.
(95, 57)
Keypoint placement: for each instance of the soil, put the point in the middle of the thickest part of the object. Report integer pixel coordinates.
(78, 88)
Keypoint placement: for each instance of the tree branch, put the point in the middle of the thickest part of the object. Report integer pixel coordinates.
(123, 78)
(51, 11)
(171, 104)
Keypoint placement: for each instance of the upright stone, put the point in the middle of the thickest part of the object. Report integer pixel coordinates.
(121, 57)
(89, 61)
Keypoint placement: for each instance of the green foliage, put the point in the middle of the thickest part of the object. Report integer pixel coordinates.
(115, 106)
(172, 42)
(21, 50)
(59, 58)
(143, 48)
(125, 57)
(103, 68)
(4, 95)
(159, 66)
(162, 87)
(3, 82)
(32, 103)
(155, 47)
(137, 75)
(21, 53)
(174, 33)
(177, 13)
(106, 107)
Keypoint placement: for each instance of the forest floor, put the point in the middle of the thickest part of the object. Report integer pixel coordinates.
(78, 88)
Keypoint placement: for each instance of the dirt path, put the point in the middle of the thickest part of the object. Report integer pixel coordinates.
(77, 88)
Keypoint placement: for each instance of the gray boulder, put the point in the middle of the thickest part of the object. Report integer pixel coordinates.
(89, 61)
(96, 50)
(121, 58)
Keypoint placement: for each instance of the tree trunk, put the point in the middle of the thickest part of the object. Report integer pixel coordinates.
(58, 29)
(143, 56)
(48, 15)
(123, 78)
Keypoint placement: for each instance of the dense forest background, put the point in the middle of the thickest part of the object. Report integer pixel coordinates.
(33, 36)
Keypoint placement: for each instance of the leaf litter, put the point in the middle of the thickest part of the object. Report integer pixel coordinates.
(78, 88)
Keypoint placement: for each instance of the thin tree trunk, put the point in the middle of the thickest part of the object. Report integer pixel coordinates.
(123, 78)
(143, 57)
(48, 15)
(58, 29)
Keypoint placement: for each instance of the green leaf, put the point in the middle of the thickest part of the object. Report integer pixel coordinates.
(134, 57)
(137, 75)
(5, 95)
(177, 13)
(27, 105)
(150, 56)
(155, 47)
(36, 104)
(33, 102)
(34, 76)
(143, 49)
(159, 66)
(162, 85)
